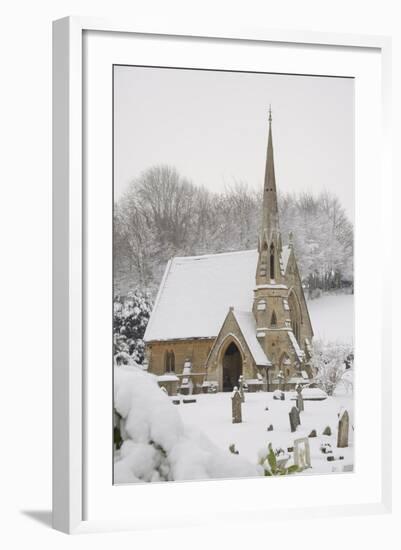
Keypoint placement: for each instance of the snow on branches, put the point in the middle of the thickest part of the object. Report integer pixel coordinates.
(131, 315)
(162, 214)
(332, 362)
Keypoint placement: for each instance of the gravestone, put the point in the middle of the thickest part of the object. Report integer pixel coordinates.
(343, 429)
(294, 418)
(241, 388)
(300, 399)
(302, 453)
(232, 449)
(236, 403)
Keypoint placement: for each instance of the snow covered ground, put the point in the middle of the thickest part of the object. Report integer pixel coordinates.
(166, 442)
(332, 320)
(332, 317)
(212, 415)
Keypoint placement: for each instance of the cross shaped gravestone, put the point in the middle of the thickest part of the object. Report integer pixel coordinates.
(343, 429)
(236, 403)
(241, 388)
(302, 453)
(295, 421)
(300, 399)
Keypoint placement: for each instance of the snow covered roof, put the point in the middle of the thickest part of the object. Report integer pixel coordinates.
(246, 322)
(298, 351)
(196, 292)
(285, 256)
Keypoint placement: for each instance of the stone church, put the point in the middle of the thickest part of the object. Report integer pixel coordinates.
(221, 316)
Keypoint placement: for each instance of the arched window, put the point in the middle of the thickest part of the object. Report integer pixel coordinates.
(263, 260)
(273, 321)
(169, 361)
(272, 274)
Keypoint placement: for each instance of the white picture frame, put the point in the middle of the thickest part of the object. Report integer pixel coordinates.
(70, 259)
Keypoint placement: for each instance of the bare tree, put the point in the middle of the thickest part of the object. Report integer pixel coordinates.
(162, 214)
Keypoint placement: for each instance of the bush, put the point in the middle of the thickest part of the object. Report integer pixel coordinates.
(131, 317)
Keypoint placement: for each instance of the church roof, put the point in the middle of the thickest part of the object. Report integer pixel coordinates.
(196, 292)
(285, 256)
(247, 325)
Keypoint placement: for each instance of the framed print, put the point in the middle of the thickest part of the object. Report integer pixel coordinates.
(219, 263)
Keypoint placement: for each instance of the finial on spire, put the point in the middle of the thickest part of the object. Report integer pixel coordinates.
(270, 112)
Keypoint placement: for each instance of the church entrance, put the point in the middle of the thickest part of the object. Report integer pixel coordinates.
(232, 367)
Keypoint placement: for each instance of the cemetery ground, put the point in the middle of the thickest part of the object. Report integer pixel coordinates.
(167, 442)
(212, 415)
(332, 318)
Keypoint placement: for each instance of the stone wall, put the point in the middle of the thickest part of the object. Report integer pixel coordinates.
(195, 350)
(294, 281)
(230, 333)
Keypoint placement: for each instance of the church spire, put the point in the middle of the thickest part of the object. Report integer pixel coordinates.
(270, 223)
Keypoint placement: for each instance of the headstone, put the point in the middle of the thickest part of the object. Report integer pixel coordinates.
(241, 388)
(343, 429)
(236, 403)
(278, 394)
(232, 449)
(270, 428)
(294, 418)
(327, 431)
(331, 458)
(300, 399)
(302, 453)
(313, 434)
(325, 448)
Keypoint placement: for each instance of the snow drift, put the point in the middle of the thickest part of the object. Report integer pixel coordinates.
(157, 445)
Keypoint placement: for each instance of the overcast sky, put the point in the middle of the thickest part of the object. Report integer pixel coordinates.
(212, 126)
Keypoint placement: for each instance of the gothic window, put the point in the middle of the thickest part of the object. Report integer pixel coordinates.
(263, 260)
(169, 361)
(273, 321)
(272, 262)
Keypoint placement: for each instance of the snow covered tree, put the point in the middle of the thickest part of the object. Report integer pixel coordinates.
(153, 444)
(331, 361)
(163, 214)
(131, 317)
